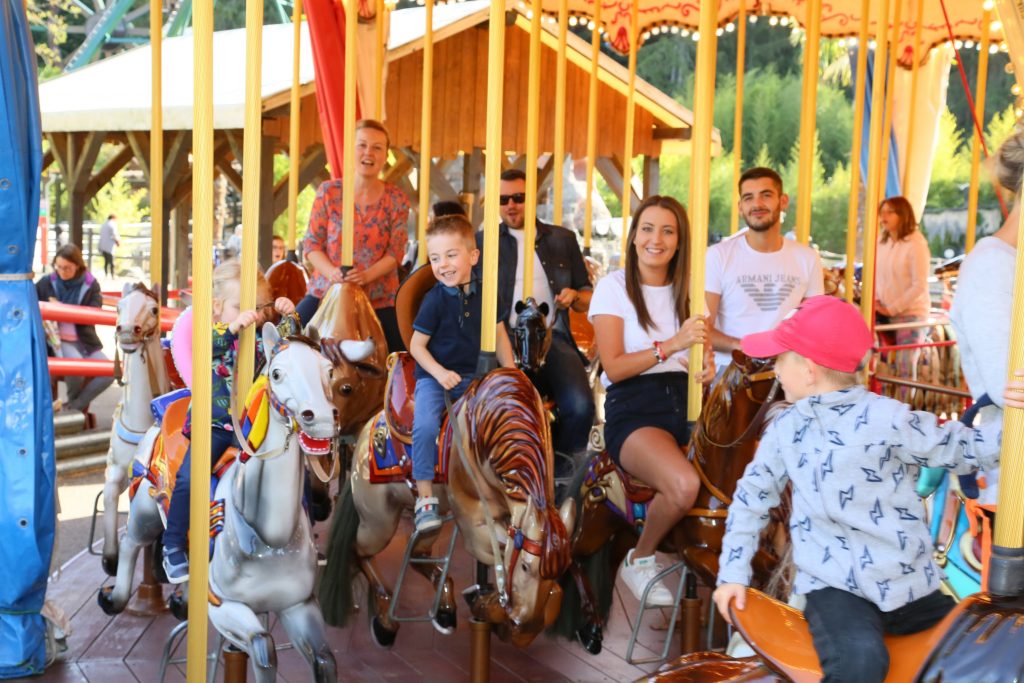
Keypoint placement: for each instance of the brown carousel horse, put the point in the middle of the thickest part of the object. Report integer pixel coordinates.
(614, 504)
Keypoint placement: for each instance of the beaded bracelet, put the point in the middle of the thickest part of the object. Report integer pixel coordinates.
(659, 354)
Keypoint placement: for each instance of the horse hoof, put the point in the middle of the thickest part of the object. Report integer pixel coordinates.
(178, 606)
(444, 621)
(105, 599)
(110, 565)
(590, 637)
(382, 636)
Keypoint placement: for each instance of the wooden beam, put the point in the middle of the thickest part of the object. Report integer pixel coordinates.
(309, 166)
(177, 155)
(665, 133)
(403, 164)
(48, 158)
(85, 158)
(223, 164)
(234, 139)
(610, 169)
(109, 170)
(58, 147)
(652, 175)
(139, 142)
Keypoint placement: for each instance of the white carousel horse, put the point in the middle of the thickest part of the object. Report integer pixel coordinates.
(144, 378)
(264, 559)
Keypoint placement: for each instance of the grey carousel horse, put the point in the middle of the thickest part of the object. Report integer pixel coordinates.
(144, 378)
(264, 559)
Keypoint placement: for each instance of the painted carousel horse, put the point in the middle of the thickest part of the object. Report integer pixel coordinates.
(495, 456)
(144, 378)
(263, 556)
(614, 504)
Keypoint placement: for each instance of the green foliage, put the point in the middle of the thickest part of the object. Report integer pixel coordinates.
(117, 197)
(49, 20)
(303, 205)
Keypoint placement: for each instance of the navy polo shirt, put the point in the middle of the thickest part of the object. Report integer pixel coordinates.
(451, 318)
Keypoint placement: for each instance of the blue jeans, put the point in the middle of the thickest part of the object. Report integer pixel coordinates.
(426, 424)
(175, 535)
(565, 380)
(848, 630)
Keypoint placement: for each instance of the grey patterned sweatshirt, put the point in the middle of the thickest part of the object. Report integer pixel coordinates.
(857, 523)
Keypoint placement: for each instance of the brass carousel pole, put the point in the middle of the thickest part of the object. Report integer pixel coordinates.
(976, 141)
(202, 346)
(700, 185)
(532, 124)
(156, 150)
(382, 47)
(294, 111)
(867, 295)
(348, 175)
(426, 113)
(855, 151)
(588, 204)
(627, 148)
(914, 89)
(808, 120)
(737, 124)
(890, 88)
(559, 145)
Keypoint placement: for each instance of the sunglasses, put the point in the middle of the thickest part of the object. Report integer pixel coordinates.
(518, 198)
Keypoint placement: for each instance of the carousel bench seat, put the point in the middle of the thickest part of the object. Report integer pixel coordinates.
(779, 634)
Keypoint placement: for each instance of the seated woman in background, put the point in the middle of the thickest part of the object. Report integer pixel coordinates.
(901, 279)
(72, 283)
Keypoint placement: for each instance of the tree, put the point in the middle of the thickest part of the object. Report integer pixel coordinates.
(117, 197)
(51, 18)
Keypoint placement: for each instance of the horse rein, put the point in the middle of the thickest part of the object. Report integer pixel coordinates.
(759, 415)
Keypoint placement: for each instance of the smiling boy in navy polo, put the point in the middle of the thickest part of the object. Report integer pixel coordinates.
(446, 344)
(861, 545)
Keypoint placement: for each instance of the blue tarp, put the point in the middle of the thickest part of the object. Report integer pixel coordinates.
(27, 464)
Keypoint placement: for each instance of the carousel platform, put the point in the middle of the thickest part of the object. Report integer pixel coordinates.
(128, 648)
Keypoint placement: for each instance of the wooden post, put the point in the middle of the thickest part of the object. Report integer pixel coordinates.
(149, 599)
(479, 651)
(236, 665)
(855, 151)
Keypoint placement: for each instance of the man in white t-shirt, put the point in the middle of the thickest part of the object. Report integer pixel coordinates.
(756, 277)
(560, 280)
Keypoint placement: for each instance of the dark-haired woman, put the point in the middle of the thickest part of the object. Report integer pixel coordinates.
(72, 283)
(901, 280)
(642, 328)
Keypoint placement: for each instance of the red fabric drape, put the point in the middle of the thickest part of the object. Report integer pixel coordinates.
(326, 21)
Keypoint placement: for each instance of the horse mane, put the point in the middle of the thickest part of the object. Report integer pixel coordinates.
(508, 426)
(141, 287)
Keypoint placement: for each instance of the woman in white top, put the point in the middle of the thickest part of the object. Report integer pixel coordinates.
(642, 330)
(901, 276)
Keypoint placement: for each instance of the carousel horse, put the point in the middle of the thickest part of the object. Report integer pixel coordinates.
(499, 426)
(614, 504)
(287, 279)
(144, 378)
(263, 556)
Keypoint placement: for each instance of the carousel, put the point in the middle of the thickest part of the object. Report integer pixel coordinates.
(300, 540)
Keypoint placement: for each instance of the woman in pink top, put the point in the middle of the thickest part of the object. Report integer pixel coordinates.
(380, 234)
(901, 277)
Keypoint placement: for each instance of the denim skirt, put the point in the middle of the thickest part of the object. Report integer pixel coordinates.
(653, 400)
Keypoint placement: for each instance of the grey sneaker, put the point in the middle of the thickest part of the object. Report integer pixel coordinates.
(176, 565)
(426, 515)
(638, 573)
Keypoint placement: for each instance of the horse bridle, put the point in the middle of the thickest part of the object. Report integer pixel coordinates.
(761, 412)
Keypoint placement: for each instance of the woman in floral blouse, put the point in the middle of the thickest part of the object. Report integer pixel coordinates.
(380, 234)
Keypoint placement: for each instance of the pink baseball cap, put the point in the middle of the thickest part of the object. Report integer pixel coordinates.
(823, 328)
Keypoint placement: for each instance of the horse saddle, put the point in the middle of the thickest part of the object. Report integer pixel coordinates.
(167, 455)
(391, 437)
(779, 634)
(636, 491)
(172, 370)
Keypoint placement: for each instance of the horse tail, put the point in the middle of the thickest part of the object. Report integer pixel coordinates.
(597, 571)
(336, 582)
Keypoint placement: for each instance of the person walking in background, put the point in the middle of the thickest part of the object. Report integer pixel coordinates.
(72, 283)
(108, 240)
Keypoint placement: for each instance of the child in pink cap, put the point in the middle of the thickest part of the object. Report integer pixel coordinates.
(861, 543)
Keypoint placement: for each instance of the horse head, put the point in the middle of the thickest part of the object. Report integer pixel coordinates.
(353, 342)
(298, 388)
(531, 337)
(138, 317)
(508, 436)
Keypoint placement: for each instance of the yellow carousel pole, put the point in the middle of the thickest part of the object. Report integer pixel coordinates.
(867, 295)
(492, 172)
(426, 114)
(914, 86)
(559, 145)
(855, 150)
(532, 126)
(700, 183)
(202, 346)
(156, 149)
(294, 112)
(1007, 562)
(382, 39)
(588, 204)
(348, 174)
(976, 141)
(737, 123)
(808, 121)
(251, 161)
(890, 89)
(627, 148)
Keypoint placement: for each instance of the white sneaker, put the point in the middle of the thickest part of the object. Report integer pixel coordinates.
(638, 573)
